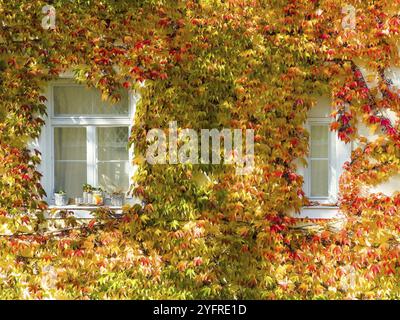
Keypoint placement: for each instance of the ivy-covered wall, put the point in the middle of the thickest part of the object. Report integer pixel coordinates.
(206, 64)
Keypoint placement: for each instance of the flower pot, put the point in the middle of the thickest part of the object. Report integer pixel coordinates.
(60, 199)
(98, 198)
(85, 197)
(117, 200)
(89, 198)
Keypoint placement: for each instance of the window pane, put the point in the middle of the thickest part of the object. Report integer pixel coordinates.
(319, 141)
(72, 100)
(75, 100)
(112, 143)
(69, 177)
(319, 178)
(106, 107)
(70, 143)
(113, 176)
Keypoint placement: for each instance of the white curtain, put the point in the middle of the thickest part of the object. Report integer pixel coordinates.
(70, 160)
(78, 100)
(113, 158)
(319, 160)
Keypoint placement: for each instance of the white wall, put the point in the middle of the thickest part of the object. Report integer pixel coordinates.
(389, 187)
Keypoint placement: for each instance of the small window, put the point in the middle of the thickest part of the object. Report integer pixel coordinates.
(321, 176)
(326, 157)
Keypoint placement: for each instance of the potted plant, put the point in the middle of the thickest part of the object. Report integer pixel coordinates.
(87, 193)
(60, 198)
(117, 198)
(98, 198)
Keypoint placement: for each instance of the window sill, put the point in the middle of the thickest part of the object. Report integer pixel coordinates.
(89, 208)
(318, 212)
(82, 212)
(86, 211)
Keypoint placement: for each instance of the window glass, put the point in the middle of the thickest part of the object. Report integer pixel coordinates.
(69, 177)
(113, 176)
(113, 158)
(319, 161)
(70, 100)
(107, 108)
(70, 143)
(112, 143)
(75, 100)
(70, 160)
(319, 141)
(319, 178)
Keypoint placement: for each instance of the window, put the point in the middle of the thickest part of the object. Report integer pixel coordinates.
(327, 155)
(85, 140)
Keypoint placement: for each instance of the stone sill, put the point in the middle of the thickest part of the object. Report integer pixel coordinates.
(323, 212)
(73, 207)
(318, 212)
(82, 212)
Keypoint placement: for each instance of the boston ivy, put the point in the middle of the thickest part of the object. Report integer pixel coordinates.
(204, 232)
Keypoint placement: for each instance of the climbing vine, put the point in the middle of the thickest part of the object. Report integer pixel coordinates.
(203, 231)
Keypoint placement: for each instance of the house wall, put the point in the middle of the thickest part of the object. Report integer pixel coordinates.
(321, 110)
(391, 186)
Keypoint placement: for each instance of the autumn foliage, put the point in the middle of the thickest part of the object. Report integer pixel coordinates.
(204, 232)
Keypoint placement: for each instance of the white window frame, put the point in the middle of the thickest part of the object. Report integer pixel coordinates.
(90, 122)
(338, 153)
